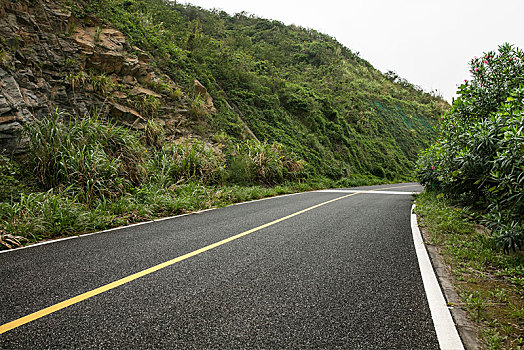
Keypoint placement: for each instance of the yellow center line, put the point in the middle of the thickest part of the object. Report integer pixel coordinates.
(62, 305)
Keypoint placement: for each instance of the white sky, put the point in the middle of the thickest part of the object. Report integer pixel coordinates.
(429, 43)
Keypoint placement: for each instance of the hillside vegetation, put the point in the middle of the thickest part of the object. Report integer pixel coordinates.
(288, 84)
(114, 112)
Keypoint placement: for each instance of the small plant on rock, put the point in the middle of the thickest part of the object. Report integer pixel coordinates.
(101, 83)
(77, 79)
(147, 105)
(97, 34)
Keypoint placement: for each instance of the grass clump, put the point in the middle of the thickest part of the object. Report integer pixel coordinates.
(154, 134)
(187, 161)
(262, 163)
(102, 83)
(95, 158)
(44, 215)
(78, 79)
(147, 105)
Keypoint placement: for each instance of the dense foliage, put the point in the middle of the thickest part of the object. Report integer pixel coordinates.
(98, 159)
(288, 84)
(479, 158)
(89, 174)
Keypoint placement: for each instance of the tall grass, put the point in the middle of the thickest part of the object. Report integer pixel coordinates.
(44, 215)
(93, 157)
(263, 163)
(187, 161)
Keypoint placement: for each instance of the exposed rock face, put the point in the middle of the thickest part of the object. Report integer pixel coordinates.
(14, 108)
(126, 115)
(208, 100)
(50, 60)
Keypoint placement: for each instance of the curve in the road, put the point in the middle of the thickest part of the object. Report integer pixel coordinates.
(79, 298)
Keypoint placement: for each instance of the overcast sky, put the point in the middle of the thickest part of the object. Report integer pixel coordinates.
(428, 43)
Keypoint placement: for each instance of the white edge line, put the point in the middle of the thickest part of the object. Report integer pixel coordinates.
(367, 192)
(143, 223)
(447, 333)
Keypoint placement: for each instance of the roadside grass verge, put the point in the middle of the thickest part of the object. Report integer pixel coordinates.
(89, 174)
(36, 216)
(489, 281)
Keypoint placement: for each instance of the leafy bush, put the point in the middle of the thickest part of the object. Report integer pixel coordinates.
(95, 157)
(495, 75)
(479, 158)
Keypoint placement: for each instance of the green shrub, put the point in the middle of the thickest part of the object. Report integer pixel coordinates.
(479, 158)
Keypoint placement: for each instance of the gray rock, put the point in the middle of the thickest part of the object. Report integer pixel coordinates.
(30, 99)
(10, 128)
(11, 91)
(4, 105)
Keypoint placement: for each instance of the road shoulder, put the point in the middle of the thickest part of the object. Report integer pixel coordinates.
(444, 324)
(467, 330)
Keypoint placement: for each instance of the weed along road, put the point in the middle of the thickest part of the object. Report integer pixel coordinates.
(327, 269)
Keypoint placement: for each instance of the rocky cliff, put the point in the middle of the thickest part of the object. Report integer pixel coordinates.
(49, 60)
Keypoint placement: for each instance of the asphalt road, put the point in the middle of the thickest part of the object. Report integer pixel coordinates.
(343, 275)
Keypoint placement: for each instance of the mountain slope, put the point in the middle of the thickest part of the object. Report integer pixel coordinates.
(291, 84)
(259, 79)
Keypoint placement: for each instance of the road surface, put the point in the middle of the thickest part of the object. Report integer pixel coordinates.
(317, 270)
